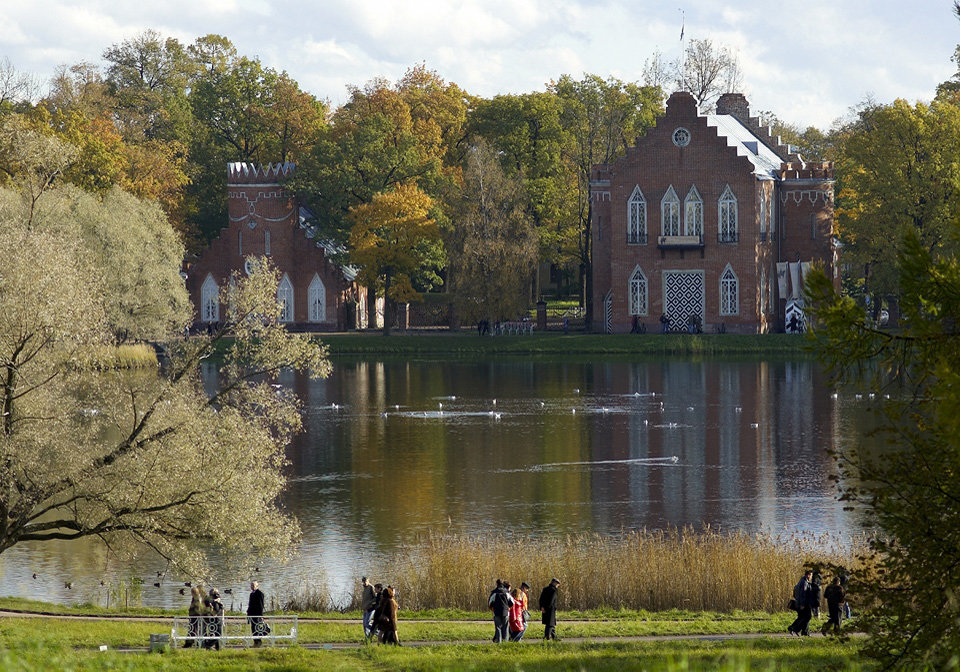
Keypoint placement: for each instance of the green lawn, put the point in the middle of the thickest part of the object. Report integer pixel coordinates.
(71, 644)
(787, 655)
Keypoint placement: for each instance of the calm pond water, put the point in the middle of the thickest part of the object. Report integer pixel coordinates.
(396, 448)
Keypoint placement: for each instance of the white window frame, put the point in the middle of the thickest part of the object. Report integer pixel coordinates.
(317, 300)
(693, 213)
(266, 243)
(639, 292)
(727, 224)
(285, 298)
(763, 212)
(210, 300)
(670, 213)
(729, 292)
(637, 218)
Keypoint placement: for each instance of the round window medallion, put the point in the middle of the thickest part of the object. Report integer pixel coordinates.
(249, 265)
(681, 137)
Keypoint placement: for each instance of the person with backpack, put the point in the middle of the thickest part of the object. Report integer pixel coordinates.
(499, 603)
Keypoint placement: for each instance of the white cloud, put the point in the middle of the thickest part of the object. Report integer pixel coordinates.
(807, 63)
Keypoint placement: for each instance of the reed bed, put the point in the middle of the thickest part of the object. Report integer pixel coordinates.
(106, 357)
(636, 570)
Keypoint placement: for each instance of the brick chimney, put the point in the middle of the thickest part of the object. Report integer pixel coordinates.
(736, 105)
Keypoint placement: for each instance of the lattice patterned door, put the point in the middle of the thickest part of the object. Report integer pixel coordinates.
(608, 313)
(683, 296)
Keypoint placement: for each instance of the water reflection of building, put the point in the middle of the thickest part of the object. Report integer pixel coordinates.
(750, 439)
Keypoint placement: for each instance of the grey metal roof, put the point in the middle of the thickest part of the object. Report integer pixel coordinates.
(310, 231)
(765, 161)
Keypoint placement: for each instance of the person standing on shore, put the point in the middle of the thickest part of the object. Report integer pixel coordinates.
(195, 627)
(368, 604)
(255, 613)
(548, 607)
(836, 597)
(499, 603)
(802, 598)
(214, 618)
(388, 618)
(516, 620)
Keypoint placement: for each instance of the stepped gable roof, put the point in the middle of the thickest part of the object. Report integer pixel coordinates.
(766, 162)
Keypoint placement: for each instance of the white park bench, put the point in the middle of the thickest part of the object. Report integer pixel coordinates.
(236, 630)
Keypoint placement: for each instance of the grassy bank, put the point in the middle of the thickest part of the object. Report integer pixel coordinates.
(56, 643)
(555, 343)
(688, 656)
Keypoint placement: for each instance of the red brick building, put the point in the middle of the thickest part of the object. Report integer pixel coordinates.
(708, 221)
(266, 220)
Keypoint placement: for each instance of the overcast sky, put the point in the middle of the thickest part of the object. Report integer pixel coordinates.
(808, 62)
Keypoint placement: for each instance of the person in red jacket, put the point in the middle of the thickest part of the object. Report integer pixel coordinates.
(517, 621)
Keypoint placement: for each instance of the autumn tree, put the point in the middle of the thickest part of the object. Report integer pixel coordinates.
(244, 111)
(527, 132)
(374, 144)
(149, 77)
(136, 459)
(897, 170)
(392, 237)
(907, 492)
(601, 119)
(493, 245)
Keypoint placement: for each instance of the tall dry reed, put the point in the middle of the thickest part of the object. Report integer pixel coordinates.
(129, 356)
(648, 570)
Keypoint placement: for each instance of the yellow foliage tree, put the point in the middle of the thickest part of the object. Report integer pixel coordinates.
(391, 237)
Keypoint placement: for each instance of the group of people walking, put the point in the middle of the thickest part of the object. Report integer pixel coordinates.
(510, 610)
(510, 607)
(379, 607)
(807, 597)
(205, 626)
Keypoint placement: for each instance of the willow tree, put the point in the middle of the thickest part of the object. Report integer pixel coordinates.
(134, 458)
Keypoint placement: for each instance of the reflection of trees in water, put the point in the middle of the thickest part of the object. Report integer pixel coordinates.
(367, 483)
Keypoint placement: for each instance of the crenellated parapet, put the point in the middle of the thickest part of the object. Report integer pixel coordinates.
(242, 172)
(822, 170)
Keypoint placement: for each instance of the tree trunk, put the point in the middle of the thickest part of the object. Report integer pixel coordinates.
(387, 303)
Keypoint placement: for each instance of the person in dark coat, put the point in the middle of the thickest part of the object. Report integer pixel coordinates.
(836, 597)
(387, 621)
(802, 595)
(816, 594)
(499, 603)
(368, 603)
(255, 613)
(214, 618)
(548, 607)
